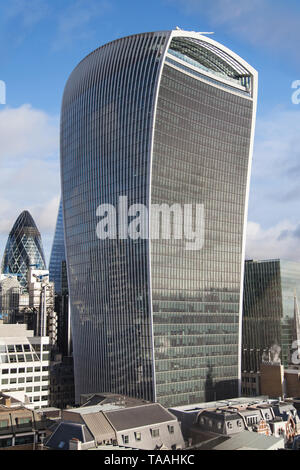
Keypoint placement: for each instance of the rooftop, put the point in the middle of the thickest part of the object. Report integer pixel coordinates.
(113, 398)
(136, 417)
(14, 331)
(233, 402)
(66, 431)
(95, 409)
(249, 440)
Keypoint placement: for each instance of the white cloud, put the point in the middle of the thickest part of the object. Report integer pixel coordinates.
(277, 142)
(6, 208)
(74, 22)
(46, 214)
(260, 22)
(27, 133)
(275, 191)
(71, 20)
(270, 244)
(19, 18)
(221, 11)
(29, 176)
(28, 12)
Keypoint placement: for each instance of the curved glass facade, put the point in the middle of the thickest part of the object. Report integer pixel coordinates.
(196, 294)
(58, 254)
(149, 318)
(23, 248)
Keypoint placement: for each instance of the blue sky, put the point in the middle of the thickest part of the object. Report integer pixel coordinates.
(41, 41)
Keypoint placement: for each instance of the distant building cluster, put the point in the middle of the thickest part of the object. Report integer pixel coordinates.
(116, 422)
(35, 336)
(240, 424)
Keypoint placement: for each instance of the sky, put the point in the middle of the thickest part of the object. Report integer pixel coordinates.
(41, 41)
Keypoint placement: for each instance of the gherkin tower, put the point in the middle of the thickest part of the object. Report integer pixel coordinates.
(23, 248)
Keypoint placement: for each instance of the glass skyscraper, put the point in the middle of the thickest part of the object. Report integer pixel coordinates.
(161, 118)
(24, 248)
(58, 274)
(271, 289)
(57, 253)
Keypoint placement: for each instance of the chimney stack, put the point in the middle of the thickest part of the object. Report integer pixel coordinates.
(7, 402)
(75, 444)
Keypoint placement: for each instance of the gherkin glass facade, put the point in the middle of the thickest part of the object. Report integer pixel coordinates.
(161, 118)
(24, 248)
(270, 290)
(58, 254)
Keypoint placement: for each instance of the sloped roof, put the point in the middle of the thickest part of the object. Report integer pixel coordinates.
(114, 398)
(66, 431)
(136, 417)
(99, 426)
(250, 440)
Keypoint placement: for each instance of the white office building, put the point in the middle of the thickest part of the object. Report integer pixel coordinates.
(24, 364)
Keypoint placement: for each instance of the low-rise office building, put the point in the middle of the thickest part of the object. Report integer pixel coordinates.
(24, 364)
(20, 427)
(31, 304)
(277, 381)
(13, 298)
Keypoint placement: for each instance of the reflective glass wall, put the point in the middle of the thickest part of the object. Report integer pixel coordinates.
(154, 320)
(58, 252)
(201, 156)
(262, 312)
(290, 284)
(270, 289)
(105, 143)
